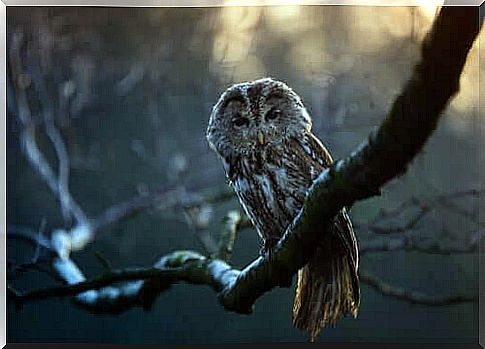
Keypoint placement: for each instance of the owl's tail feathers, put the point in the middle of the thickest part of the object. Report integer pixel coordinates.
(328, 287)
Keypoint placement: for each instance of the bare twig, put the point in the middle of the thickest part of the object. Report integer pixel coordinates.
(95, 295)
(411, 224)
(85, 230)
(408, 239)
(202, 235)
(232, 220)
(29, 235)
(427, 202)
(31, 150)
(15, 269)
(36, 255)
(160, 199)
(95, 284)
(413, 297)
(67, 206)
(75, 239)
(409, 242)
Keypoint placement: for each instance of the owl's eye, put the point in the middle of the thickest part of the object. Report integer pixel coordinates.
(240, 121)
(273, 114)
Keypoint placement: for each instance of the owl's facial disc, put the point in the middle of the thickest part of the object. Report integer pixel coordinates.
(251, 116)
(268, 121)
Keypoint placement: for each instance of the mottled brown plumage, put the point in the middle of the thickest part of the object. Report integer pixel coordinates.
(262, 133)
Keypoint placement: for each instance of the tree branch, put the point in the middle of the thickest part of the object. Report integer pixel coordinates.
(84, 232)
(232, 222)
(97, 295)
(31, 150)
(385, 155)
(413, 297)
(161, 199)
(409, 242)
(424, 205)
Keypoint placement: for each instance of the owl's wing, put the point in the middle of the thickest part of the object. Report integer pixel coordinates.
(318, 152)
(342, 224)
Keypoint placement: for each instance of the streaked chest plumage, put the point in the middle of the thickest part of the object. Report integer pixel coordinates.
(272, 183)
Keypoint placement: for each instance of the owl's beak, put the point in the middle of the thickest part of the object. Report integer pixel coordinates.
(260, 137)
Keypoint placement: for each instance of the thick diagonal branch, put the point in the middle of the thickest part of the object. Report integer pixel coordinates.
(385, 155)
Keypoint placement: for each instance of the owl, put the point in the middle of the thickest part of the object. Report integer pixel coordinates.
(262, 133)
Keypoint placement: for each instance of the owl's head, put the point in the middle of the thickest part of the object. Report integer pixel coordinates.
(253, 115)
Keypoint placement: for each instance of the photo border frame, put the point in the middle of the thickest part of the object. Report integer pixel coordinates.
(4, 4)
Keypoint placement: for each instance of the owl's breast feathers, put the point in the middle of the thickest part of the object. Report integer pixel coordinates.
(272, 183)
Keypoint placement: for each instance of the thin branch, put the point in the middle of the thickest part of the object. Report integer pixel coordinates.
(161, 199)
(95, 284)
(413, 297)
(28, 235)
(40, 233)
(187, 266)
(409, 242)
(67, 206)
(422, 202)
(63, 242)
(453, 207)
(31, 150)
(98, 294)
(85, 230)
(15, 269)
(230, 228)
(410, 224)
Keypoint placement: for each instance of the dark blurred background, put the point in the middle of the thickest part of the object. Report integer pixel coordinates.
(132, 90)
